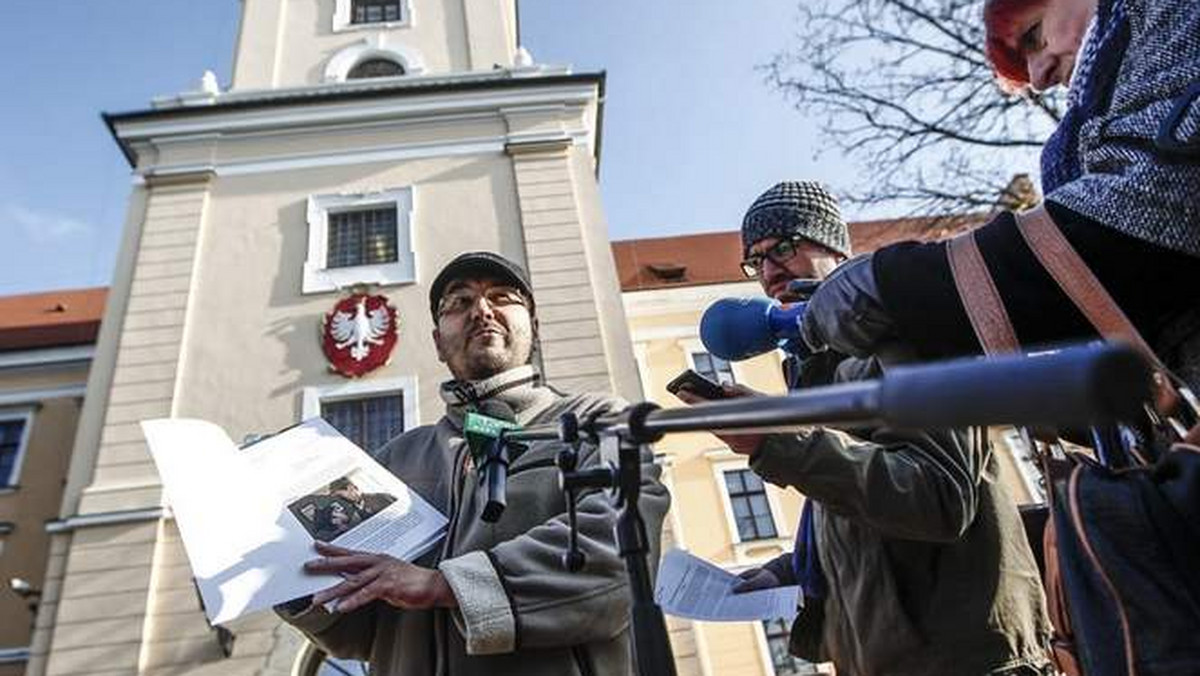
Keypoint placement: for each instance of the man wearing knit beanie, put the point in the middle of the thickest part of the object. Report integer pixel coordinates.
(899, 526)
(793, 231)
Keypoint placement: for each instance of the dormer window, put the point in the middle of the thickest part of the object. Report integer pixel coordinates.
(375, 68)
(376, 11)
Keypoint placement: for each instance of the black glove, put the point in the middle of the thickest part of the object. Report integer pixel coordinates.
(775, 573)
(846, 313)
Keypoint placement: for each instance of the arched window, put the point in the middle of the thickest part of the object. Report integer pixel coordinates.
(375, 11)
(375, 68)
(377, 55)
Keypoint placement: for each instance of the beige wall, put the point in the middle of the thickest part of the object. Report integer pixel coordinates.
(287, 43)
(250, 317)
(35, 499)
(663, 326)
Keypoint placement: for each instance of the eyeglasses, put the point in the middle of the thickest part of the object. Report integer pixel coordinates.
(461, 300)
(781, 252)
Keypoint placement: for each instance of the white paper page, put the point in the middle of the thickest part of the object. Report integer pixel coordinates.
(314, 454)
(691, 587)
(245, 544)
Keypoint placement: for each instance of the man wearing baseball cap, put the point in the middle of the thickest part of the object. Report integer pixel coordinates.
(900, 528)
(493, 598)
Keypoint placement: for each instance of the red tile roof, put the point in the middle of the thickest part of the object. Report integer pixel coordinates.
(714, 258)
(51, 319)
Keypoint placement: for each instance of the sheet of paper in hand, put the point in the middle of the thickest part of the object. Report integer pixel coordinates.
(249, 517)
(691, 587)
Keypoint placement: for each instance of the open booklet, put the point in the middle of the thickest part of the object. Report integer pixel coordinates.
(249, 517)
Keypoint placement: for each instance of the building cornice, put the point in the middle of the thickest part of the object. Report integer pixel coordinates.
(14, 655)
(47, 356)
(14, 397)
(105, 519)
(683, 299)
(356, 102)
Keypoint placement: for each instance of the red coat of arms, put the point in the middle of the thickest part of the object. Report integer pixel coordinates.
(359, 334)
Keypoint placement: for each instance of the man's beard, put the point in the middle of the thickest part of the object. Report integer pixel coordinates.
(514, 351)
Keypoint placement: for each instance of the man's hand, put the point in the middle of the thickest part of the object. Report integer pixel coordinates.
(755, 579)
(371, 577)
(742, 444)
(774, 573)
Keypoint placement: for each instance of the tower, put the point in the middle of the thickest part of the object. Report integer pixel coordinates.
(360, 142)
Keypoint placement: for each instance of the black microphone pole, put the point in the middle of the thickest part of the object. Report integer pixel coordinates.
(651, 644)
(1074, 386)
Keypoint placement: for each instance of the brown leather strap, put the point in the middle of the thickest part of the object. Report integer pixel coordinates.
(980, 298)
(1077, 281)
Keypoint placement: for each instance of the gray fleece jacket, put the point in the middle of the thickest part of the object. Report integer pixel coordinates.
(520, 611)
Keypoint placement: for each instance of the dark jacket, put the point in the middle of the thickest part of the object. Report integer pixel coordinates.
(1155, 287)
(926, 562)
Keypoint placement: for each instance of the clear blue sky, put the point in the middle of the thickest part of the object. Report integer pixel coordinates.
(691, 133)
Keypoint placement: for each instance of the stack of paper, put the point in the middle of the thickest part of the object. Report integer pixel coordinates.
(249, 517)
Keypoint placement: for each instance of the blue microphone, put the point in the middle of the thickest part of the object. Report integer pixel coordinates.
(739, 328)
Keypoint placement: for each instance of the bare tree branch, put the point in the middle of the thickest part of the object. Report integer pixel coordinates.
(903, 87)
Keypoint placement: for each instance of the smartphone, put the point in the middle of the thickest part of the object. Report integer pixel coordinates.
(696, 384)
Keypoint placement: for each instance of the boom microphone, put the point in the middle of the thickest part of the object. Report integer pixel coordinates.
(1073, 386)
(739, 328)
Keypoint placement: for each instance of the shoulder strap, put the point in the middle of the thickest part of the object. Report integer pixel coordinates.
(979, 296)
(1076, 280)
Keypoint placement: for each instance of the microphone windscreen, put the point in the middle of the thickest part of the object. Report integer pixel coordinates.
(738, 328)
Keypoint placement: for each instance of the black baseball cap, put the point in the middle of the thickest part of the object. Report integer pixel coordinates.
(479, 265)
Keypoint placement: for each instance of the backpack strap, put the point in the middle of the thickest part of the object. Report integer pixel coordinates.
(1080, 284)
(1076, 280)
(980, 298)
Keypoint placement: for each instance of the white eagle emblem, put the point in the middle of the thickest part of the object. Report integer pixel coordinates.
(360, 330)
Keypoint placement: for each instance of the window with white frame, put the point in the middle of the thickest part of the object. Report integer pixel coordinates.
(1026, 461)
(14, 436)
(375, 11)
(713, 367)
(368, 413)
(359, 239)
(377, 55)
(778, 635)
(748, 500)
(370, 422)
(371, 14)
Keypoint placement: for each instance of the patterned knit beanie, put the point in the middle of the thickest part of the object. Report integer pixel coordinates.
(796, 209)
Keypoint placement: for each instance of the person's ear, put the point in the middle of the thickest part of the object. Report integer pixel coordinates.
(535, 344)
(437, 344)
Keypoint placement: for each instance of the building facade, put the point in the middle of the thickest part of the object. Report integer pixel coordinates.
(360, 145)
(46, 346)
